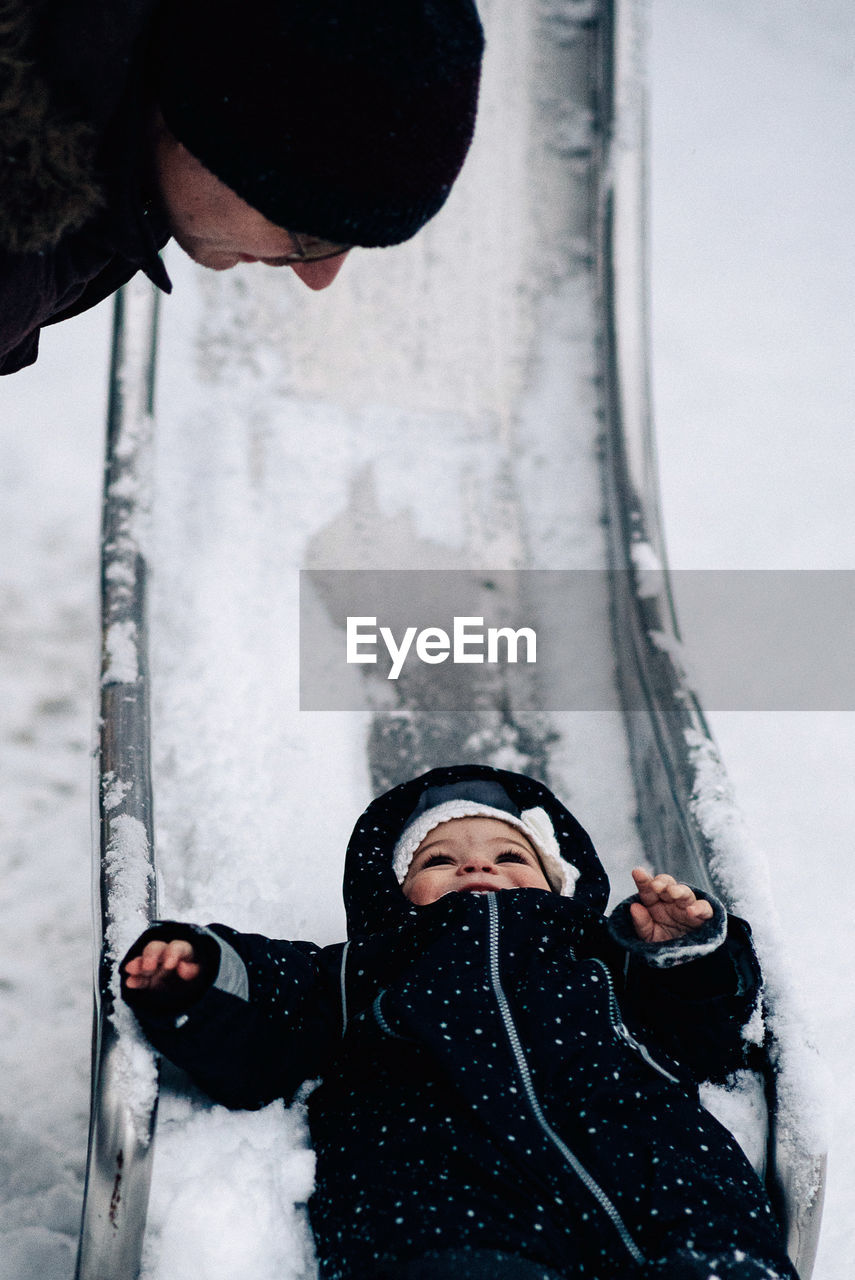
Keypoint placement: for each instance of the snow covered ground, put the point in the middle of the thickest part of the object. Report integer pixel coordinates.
(753, 200)
(50, 440)
(754, 321)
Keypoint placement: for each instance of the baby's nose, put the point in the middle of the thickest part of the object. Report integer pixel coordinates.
(477, 865)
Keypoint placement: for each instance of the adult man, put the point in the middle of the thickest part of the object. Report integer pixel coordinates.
(281, 131)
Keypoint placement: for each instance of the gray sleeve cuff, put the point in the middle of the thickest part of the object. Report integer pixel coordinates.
(665, 955)
(231, 975)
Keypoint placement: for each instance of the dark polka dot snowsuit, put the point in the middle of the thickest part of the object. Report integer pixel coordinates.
(497, 1072)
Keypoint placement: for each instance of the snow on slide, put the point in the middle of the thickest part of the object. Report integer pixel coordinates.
(436, 409)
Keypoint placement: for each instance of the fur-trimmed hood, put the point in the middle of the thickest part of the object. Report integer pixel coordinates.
(372, 895)
(66, 69)
(47, 181)
(76, 218)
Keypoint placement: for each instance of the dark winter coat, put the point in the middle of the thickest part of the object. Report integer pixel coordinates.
(77, 214)
(502, 1072)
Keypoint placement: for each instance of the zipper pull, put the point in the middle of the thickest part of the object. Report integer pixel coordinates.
(626, 1034)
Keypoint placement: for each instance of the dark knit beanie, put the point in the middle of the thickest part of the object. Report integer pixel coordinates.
(345, 119)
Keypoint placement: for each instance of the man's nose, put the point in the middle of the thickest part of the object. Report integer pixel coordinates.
(319, 275)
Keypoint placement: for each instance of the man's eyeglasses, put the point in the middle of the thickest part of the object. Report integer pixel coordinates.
(311, 249)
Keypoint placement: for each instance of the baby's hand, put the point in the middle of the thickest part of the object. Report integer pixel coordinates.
(667, 910)
(160, 964)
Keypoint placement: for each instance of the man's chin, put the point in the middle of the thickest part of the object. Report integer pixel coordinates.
(213, 259)
(216, 262)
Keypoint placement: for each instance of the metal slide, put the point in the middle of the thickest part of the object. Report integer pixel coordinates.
(123, 1109)
(671, 747)
(584, 165)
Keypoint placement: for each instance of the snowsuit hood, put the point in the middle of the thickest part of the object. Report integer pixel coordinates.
(372, 896)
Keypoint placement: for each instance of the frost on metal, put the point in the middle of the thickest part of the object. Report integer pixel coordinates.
(568, 16)
(129, 494)
(128, 872)
(120, 654)
(666, 642)
(113, 790)
(572, 131)
(125, 486)
(121, 575)
(134, 1064)
(130, 487)
(649, 573)
(742, 873)
(740, 870)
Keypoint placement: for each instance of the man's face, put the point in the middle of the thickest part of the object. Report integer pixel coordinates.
(472, 854)
(215, 226)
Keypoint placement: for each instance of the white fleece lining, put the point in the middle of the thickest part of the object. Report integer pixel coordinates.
(702, 941)
(535, 824)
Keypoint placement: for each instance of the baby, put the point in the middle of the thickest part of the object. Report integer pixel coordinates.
(507, 1080)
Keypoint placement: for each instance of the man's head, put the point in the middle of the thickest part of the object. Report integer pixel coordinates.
(218, 229)
(326, 118)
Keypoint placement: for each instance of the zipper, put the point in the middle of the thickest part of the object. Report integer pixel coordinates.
(380, 1019)
(342, 983)
(622, 1030)
(534, 1103)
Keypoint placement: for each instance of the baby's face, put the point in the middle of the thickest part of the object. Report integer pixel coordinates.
(476, 855)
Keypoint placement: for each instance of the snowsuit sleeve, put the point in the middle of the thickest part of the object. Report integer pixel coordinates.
(693, 996)
(263, 1018)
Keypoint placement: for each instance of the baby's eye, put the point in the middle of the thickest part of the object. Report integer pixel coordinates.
(437, 860)
(511, 855)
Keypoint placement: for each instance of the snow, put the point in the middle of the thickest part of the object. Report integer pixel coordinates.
(122, 654)
(255, 799)
(742, 1109)
(744, 873)
(49, 517)
(127, 863)
(753, 202)
(264, 1155)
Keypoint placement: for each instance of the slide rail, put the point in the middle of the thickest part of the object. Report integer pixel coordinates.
(670, 742)
(667, 730)
(124, 1072)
